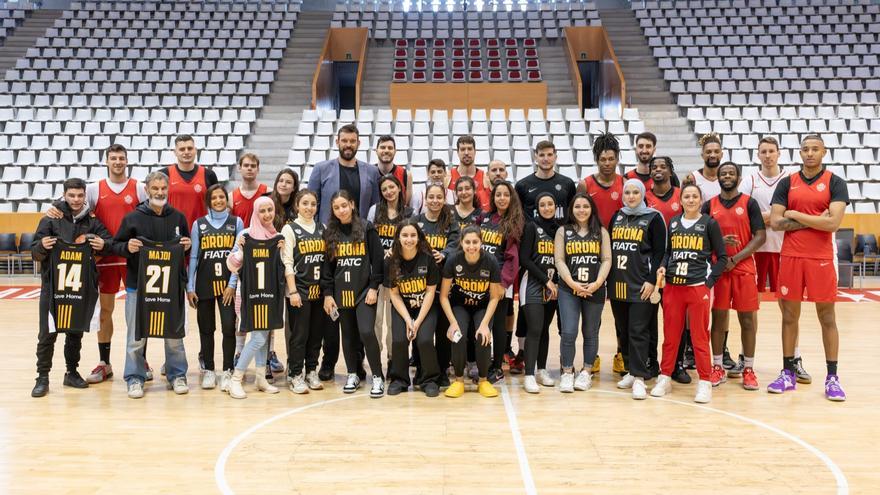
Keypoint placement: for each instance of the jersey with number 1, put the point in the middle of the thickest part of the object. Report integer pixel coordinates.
(262, 285)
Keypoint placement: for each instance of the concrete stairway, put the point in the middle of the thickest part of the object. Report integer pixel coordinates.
(554, 71)
(291, 93)
(646, 90)
(24, 37)
(377, 75)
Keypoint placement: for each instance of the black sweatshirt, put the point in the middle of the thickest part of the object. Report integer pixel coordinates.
(67, 229)
(690, 251)
(374, 252)
(143, 222)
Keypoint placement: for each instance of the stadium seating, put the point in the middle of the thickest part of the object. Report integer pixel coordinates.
(12, 15)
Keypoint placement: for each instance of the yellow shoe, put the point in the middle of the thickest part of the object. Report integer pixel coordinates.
(619, 366)
(487, 390)
(455, 389)
(596, 365)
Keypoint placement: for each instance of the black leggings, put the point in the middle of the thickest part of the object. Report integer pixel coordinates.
(499, 333)
(359, 322)
(441, 341)
(633, 324)
(537, 317)
(464, 317)
(424, 342)
(208, 323)
(308, 325)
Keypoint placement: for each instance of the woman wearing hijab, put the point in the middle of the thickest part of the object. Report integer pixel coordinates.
(257, 347)
(638, 244)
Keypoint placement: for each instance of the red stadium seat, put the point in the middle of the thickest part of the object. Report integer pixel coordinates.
(510, 43)
(458, 64)
(458, 76)
(400, 64)
(420, 53)
(473, 43)
(439, 53)
(400, 53)
(439, 43)
(475, 76)
(421, 43)
(457, 53)
(495, 76)
(475, 54)
(475, 64)
(493, 43)
(439, 64)
(530, 43)
(418, 76)
(513, 63)
(400, 44)
(511, 53)
(493, 53)
(514, 76)
(420, 64)
(534, 75)
(494, 64)
(531, 53)
(457, 43)
(399, 76)
(532, 64)
(438, 76)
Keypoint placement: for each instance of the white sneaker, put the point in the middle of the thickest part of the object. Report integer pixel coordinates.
(225, 378)
(566, 383)
(179, 386)
(262, 382)
(102, 371)
(298, 385)
(704, 392)
(663, 386)
(544, 378)
(162, 369)
(313, 381)
(236, 390)
(209, 380)
(626, 382)
(135, 390)
(530, 385)
(584, 380)
(378, 388)
(352, 383)
(639, 391)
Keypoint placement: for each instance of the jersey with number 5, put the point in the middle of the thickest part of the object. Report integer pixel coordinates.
(308, 256)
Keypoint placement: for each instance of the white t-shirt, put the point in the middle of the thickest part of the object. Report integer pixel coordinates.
(761, 188)
(710, 188)
(417, 201)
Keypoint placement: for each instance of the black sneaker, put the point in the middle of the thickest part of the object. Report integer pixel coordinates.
(802, 375)
(326, 374)
(73, 379)
(443, 381)
(431, 389)
(269, 376)
(395, 388)
(737, 371)
(495, 375)
(688, 362)
(727, 362)
(41, 388)
(681, 376)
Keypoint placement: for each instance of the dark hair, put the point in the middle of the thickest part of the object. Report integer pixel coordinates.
(116, 148)
(183, 138)
(689, 185)
(383, 139)
(470, 229)
(252, 156)
(437, 162)
(333, 232)
(738, 170)
(512, 221)
(709, 139)
(649, 136)
(769, 140)
(666, 159)
(382, 206)
(538, 202)
(469, 180)
(605, 142)
(397, 248)
(300, 195)
(74, 183)
(465, 140)
(210, 192)
(594, 225)
(445, 217)
(543, 145)
(348, 129)
(812, 137)
(284, 212)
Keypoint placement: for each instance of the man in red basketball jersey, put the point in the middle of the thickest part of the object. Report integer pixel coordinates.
(242, 197)
(606, 187)
(188, 181)
(809, 207)
(386, 150)
(467, 152)
(742, 226)
(663, 196)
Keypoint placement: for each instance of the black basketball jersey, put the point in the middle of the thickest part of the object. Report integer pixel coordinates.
(308, 256)
(470, 282)
(161, 286)
(73, 287)
(212, 274)
(464, 221)
(262, 285)
(630, 260)
(439, 239)
(387, 229)
(583, 259)
(690, 253)
(413, 279)
(532, 290)
(494, 241)
(351, 275)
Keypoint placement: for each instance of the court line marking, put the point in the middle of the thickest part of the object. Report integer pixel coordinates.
(524, 467)
(840, 478)
(220, 465)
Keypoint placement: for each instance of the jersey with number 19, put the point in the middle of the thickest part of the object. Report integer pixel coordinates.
(160, 290)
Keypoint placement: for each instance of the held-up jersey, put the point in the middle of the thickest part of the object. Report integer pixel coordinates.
(691, 249)
(413, 279)
(308, 256)
(470, 283)
(630, 255)
(531, 290)
(583, 259)
(740, 217)
(262, 285)
(73, 287)
(608, 199)
(161, 286)
(215, 244)
(351, 275)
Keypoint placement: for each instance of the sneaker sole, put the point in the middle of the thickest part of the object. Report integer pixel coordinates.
(805, 381)
(748, 387)
(836, 399)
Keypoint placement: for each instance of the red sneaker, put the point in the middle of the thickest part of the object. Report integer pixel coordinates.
(518, 365)
(750, 381)
(719, 375)
(102, 371)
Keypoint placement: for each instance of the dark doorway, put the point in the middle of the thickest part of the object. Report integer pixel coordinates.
(589, 71)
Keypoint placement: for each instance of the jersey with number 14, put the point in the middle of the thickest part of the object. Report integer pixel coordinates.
(73, 287)
(161, 286)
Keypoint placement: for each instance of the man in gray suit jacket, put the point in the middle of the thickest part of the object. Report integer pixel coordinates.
(345, 172)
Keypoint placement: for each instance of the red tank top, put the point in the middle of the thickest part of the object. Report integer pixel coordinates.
(812, 199)
(669, 207)
(399, 173)
(188, 197)
(735, 220)
(608, 199)
(111, 208)
(243, 207)
(648, 183)
(481, 193)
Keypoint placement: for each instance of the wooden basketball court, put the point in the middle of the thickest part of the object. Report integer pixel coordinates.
(98, 441)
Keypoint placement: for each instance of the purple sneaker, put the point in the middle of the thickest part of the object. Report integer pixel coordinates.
(832, 389)
(784, 383)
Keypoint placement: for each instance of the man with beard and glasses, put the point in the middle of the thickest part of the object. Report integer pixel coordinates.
(646, 146)
(386, 149)
(545, 180)
(345, 172)
(466, 147)
(707, 178)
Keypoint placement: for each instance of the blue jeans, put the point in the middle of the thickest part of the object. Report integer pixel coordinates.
(256, 346)
(135, 360)
(572, 309)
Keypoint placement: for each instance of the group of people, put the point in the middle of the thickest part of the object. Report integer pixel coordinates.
(431, 273)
